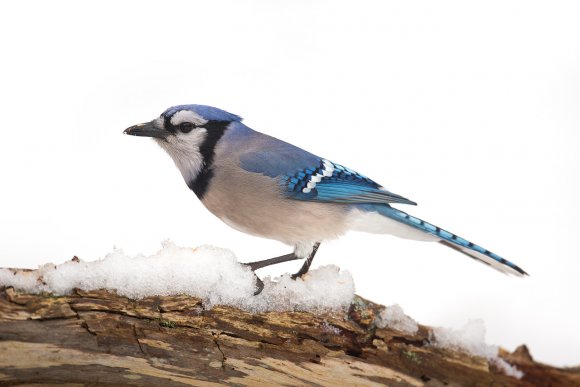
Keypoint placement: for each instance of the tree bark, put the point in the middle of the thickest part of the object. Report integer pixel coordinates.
(100, 338)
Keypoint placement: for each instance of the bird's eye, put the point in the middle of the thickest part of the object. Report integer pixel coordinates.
(186, 127)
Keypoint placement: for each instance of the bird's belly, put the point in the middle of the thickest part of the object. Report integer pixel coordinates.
(288, 221)
(237, 226)
(292, 229)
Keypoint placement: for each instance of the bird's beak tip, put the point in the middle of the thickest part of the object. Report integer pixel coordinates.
(147, 129)
(130, 132)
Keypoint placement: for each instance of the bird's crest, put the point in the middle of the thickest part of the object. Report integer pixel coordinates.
(208, 113)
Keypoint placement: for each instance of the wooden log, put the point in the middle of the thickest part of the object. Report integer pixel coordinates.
(100, 338)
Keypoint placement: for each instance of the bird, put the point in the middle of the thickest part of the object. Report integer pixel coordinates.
(266, 187)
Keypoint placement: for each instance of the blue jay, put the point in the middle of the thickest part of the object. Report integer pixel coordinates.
(266, 187)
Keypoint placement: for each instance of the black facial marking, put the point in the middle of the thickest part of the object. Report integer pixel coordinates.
(215, 131)
(168, 125)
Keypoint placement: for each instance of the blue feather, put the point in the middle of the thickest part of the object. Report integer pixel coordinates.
(447, 238)
(295, 168)
(278, 160)
(209, 113)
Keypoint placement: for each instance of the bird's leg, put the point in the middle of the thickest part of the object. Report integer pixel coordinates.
(304, 269)
(281, 259)
(272, 261)
(268, 262)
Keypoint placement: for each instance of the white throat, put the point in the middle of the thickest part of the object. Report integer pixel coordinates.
(184, 150)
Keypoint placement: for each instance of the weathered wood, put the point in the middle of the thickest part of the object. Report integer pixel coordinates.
(100, 338)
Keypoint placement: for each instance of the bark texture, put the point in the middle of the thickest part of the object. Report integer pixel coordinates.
(100, 338)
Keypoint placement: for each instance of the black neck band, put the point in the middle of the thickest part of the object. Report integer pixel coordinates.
(215, 131)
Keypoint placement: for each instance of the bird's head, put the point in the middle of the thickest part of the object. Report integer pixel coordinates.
(184, 124)
(189, 133)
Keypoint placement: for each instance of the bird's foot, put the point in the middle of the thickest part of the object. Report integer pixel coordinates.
(259, 285)
(297, 275)
(259, 282)
(306, 266)
(304, 269)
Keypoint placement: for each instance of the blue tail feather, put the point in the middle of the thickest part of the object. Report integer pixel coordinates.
(453, 241)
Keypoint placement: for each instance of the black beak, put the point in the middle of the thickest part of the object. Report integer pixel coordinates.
(148, 129)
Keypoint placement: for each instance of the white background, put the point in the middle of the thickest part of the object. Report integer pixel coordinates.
(470, 110)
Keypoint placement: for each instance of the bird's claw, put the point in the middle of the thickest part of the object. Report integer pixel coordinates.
(259, 282)
(259, 285)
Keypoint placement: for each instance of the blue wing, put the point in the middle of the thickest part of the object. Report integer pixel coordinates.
(305, 176)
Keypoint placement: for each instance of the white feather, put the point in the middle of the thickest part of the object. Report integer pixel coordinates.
(184, 150)
(485, 259)
(303, 249)
(187, 116)
(328, 168)
(375, 223)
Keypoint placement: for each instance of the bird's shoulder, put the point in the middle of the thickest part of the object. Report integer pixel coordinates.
(260, 153)
(306, 176)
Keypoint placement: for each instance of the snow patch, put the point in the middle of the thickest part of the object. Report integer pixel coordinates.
(471, 339)
(214, 275)
(210, 273)
(394, 317)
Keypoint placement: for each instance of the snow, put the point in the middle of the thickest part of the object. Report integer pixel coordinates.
(214, 275)
(471, 339)
(394, 318)
(210, 273)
